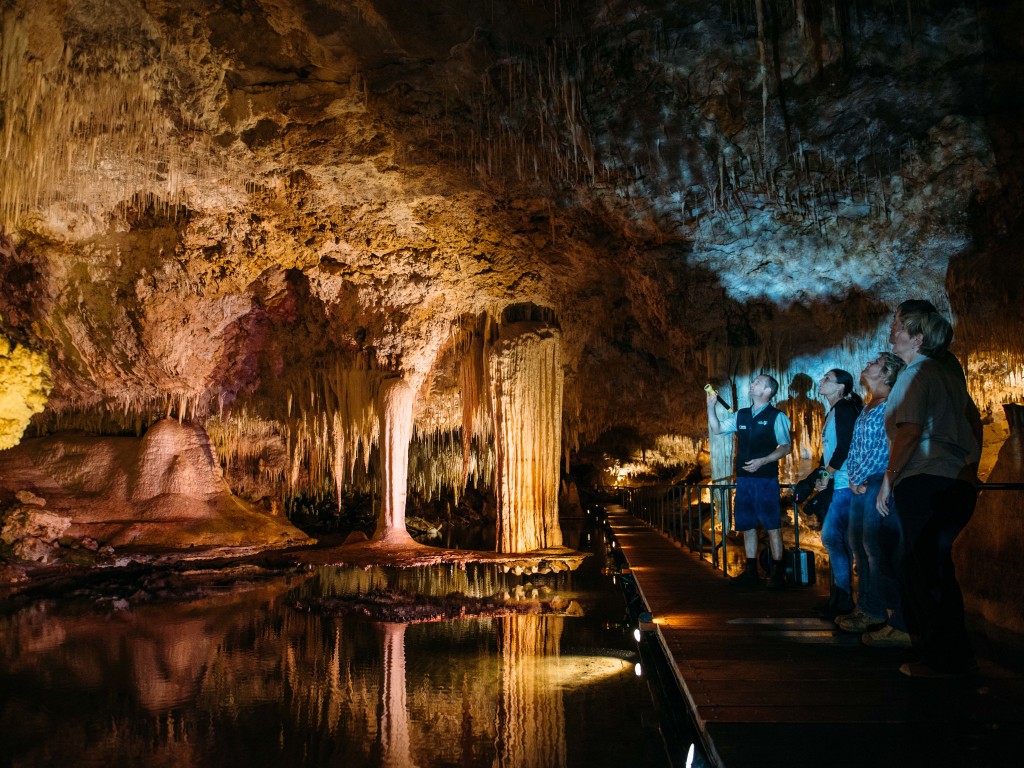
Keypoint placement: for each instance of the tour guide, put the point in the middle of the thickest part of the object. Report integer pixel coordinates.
(762, 438)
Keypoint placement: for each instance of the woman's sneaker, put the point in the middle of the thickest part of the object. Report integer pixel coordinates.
(858, 622)
(886, 637)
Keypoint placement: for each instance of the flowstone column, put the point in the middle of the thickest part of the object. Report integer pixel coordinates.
(525, 368)
(396, 400)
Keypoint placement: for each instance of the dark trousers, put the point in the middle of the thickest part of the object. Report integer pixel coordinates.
(933, 511)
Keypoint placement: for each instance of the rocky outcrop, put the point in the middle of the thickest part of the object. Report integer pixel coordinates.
(120, 495)
(24, 386)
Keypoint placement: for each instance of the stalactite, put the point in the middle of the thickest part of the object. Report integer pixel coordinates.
(477, 423)
(67, 113)
(526, 400)
(437, 464)
(332, 423)
(762, 70)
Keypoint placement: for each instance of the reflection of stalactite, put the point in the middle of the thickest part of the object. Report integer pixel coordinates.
(474, 581)
(396, 401)
(531, 713)
(526, 400)
(394, 726)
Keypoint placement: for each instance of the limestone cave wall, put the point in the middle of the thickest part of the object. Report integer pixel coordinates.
(248, 213)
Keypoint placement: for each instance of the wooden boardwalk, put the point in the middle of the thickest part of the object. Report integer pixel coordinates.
(769, 683)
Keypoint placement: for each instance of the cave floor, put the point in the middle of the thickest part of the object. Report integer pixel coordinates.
(54, 579)
(769, 683)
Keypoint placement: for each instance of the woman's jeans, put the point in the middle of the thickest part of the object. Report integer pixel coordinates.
(877, 544)
(833, 536)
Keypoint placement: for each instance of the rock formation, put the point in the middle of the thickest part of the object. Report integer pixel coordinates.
(526, 401)
(61, 495)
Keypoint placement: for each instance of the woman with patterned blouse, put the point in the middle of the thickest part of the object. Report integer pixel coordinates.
(876, 541)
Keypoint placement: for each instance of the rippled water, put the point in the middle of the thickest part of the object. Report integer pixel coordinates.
(256, 671)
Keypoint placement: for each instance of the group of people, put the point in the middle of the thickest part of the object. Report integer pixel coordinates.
(902, 467)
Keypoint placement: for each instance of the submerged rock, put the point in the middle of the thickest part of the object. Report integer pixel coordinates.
(33, 534)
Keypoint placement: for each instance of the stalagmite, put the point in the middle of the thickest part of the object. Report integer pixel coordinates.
(526, 396)
(396, 402)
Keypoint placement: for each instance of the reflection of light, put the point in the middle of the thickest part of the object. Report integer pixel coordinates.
(637, 669)
(572, 672)
(689, 757)
(636, 634)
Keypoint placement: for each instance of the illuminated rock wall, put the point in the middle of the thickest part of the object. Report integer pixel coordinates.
(989, 554)
(164, 491)
(24, 385)
(526, 400)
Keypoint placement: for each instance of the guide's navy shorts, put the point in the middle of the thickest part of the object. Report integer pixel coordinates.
(757, 501)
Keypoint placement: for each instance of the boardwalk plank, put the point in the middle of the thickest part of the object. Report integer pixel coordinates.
(757, 664)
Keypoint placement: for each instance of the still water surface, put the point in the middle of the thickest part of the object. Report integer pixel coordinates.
(256, 671)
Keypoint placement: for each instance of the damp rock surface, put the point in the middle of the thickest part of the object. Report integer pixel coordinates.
(163, 492)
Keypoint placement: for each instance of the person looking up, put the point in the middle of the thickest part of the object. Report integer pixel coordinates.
(933, 455)
(876, 541)
(762, 438)
(836, 386)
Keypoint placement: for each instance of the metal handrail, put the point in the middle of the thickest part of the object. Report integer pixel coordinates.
(667, 513)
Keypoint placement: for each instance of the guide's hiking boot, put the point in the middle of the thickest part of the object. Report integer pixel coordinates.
(778, 577)
(747, 579)
(886, 637)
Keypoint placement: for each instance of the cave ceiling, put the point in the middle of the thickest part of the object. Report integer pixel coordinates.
(203, 203)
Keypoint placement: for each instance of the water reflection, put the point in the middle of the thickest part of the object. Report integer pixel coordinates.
(394, 726)
(244, 678)
(531, 713)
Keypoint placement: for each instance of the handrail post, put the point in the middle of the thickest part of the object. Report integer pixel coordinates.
(679, 514)
(796, 521)
(689, 519)
(700, 530)
(714, 539)
(725, 542)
